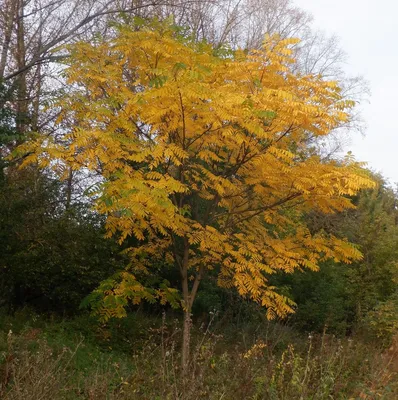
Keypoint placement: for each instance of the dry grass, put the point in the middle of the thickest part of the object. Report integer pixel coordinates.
(271, 366)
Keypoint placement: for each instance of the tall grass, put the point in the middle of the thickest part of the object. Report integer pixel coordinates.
(267, 361)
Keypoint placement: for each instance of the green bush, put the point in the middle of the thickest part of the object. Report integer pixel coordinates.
(381, 323)
(49, 257)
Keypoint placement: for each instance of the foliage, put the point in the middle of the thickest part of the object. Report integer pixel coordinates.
(48, 257)
(339, 297)
(322, 299)
(375, 229)
(7, 129)
(206, 159)
(382, 321)
(113, 295)
(7, 117)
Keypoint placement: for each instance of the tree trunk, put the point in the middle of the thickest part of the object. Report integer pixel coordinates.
(186, 333)
(69, 189)
(39, 78)
(189, 297)
(22, 105)
(9, 18)
(186, 341)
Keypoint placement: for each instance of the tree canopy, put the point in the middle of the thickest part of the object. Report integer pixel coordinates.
(206, 157)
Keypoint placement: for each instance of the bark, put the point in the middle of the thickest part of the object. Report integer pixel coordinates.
(186, 335)
(22, 101)
(186, 343)
(69, 188)
(36, 101)
(189, 298)
(9, 18)
(38, 77)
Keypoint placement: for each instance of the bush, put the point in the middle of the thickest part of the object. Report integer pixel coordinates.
(49, 257)
(382, 322)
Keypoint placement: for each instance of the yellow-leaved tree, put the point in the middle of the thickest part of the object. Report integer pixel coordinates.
(206, 159)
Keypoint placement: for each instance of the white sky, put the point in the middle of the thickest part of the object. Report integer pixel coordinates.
(368, 32)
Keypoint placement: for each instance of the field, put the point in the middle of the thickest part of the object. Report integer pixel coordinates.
(44, 357)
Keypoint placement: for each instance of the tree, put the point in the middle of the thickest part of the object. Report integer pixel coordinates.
(205, 161)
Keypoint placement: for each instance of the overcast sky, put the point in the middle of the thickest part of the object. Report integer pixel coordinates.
(368, 31)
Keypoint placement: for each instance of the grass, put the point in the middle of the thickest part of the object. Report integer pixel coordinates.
(43, 357)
